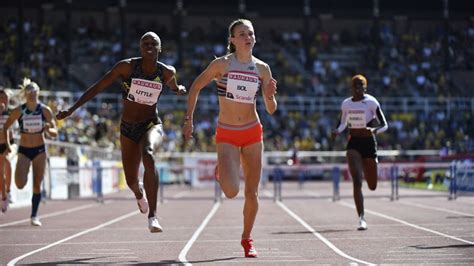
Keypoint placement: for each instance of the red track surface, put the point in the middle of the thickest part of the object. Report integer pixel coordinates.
(307, 228)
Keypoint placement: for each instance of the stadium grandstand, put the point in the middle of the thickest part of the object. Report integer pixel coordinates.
(419, 64)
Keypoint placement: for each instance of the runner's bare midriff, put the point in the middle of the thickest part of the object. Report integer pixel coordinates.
(360, 132)
(31, 140)
(233, 113)
(135, 112)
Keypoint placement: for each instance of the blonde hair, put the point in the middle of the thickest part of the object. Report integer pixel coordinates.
(235, 23)
(27, 83)
(361, 78)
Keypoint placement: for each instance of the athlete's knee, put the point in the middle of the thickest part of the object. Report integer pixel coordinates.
(36, 189)
(20, 184)
(357, 182)
(148, 150)
(251, 194)
(372, 186)
(230, 192)
(131, 181)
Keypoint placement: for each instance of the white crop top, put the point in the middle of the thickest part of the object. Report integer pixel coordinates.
(359, 114)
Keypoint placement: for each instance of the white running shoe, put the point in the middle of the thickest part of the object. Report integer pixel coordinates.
(154, 225)
(5, 204)
(35, 221)
(362, 223)
(142, 204)
(9, 196)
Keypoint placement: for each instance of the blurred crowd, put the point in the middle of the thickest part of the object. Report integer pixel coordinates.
(398, 63)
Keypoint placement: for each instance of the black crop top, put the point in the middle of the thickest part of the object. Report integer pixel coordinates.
(32, 122)
(138, 74)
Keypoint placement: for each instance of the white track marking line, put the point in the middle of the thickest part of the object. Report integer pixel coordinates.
(17, 259)
(112, 249)
(63, 212)
(52, 214)
(107, 253)
(425, 259)
(267, 193)
(244, 262)
(92, 262)
(319, 236)
(409, 224)
(417, 255)
(419, 205)
(184, 252)
(180, 194)
(221, 241)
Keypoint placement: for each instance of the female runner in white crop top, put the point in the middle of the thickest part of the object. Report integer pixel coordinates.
(359, 113)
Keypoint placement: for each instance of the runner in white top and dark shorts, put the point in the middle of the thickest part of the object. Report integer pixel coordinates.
(360, 113)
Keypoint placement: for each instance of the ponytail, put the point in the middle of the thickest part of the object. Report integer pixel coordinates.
(26, 84)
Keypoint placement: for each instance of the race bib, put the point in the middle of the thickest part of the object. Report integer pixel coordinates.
(32, 123)
(356, 119)
(144, 91)
(3, 119)
(241, 87)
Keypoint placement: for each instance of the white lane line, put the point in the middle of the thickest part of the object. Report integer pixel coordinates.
(437, 263)
(107, 253)
(17, 259)
(268, 193)
(314, 194)
(52, 214)
(35, 229)
(319, 236)
(184, 252)
(180, 194)
(407, 223)
(225, 241)
(408, 252)
(92, 262)
(269, 255)
(436, 208)
(103, 262)
(426, 255)
(112, 249)
(423, 259)
(158, 242)
(244, 262)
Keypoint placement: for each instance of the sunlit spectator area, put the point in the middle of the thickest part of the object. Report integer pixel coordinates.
(419, 65)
